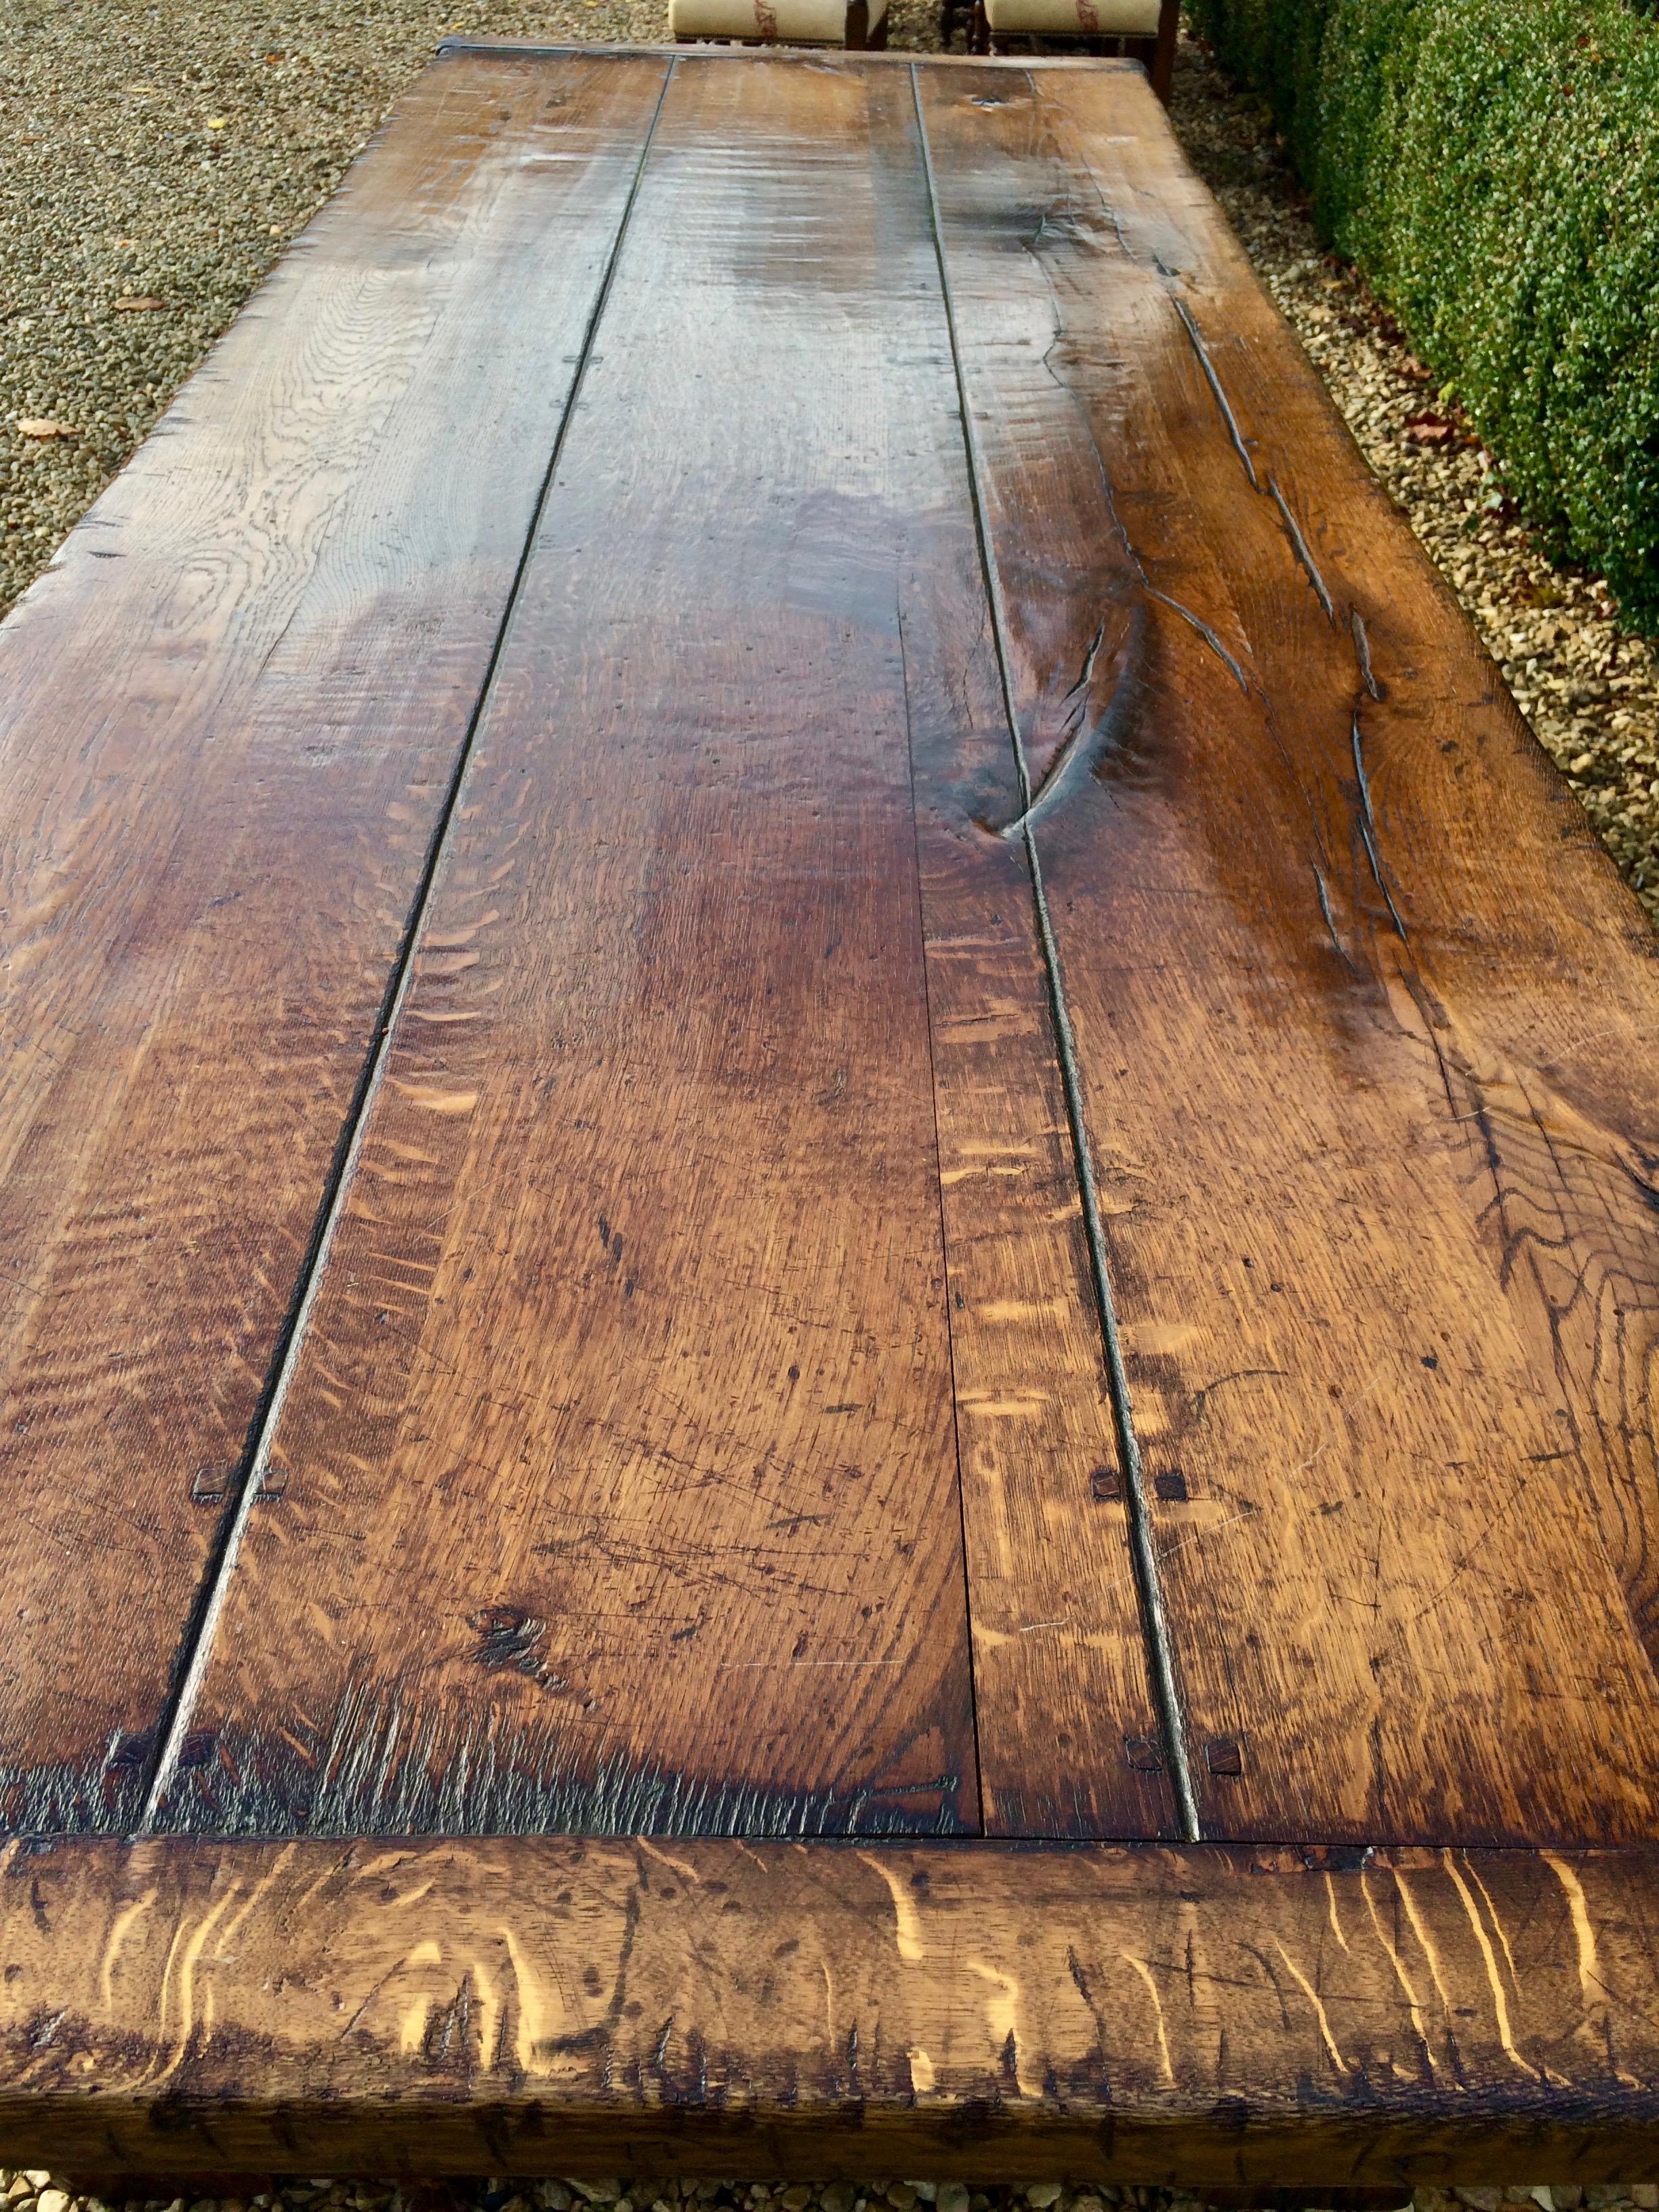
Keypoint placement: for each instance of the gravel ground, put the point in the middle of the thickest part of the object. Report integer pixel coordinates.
(153, 160)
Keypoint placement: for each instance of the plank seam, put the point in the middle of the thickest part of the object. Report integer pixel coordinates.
(196, 1648)
(1143, 1551)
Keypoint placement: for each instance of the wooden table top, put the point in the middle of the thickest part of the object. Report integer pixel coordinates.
(797, 1047)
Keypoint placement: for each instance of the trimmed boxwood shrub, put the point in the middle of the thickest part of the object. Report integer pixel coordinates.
(1493, 167)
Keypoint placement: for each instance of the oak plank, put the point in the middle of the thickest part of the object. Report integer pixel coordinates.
(1544, 999)
(1068, 1733)
(1202, 2016)
(1067, 1729)
(618, 1472)
(229, 716)
(1307, 880)
(651, 1660)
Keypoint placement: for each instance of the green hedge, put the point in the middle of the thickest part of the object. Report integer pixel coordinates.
(1493, 167)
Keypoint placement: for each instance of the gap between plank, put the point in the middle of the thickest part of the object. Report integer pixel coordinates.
(197, 1648)
(1149, 1582)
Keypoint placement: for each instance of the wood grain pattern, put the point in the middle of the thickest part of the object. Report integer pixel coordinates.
(1069, 1738)
(1067, 1726)
(708, 1323)
(709, 1328)
(1068, 1723)
(1207, 2016)
(1361, 1016)
(1535, 967)
(231, 713)
(619, 1480)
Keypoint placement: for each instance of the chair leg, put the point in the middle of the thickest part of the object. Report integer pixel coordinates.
(878, 37)
(1163, 53)
(858, 27)
(979, 35)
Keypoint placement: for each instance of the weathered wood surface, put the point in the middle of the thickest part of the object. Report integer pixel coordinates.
(1009, 1188)
(230, 718)
(1365, 1023)
(616, 1484)
(1202, 2015)
(699, 1410)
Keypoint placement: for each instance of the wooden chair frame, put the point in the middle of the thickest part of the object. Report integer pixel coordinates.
(1155, 55)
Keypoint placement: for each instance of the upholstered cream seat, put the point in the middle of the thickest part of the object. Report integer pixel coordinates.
(853, 23)
(1073, 19)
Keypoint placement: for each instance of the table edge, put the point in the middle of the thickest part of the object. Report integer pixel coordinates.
(457, 46)
(185, 2006)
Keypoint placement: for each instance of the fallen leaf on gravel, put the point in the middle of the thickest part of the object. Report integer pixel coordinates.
(1431, 430)
(217, 122)
(139, 304)
(42, 426)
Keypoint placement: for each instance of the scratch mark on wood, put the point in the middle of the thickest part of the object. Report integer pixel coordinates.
(122, 1921)
(1500, 2001)
(908, 1930)
(1221, 398)
(1294, 530)
(1208, 635)
(1362, 645)
(1145, 1974)
(1584, 1930)
(1414, 2004)
(1318, 2004)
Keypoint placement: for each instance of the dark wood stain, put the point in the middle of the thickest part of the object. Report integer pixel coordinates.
(911, 1129)
(1251, 2020)
(221, 764)
(606, 1335)
(1360, 1031)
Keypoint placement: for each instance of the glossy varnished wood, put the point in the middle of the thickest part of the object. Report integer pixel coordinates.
(1532, 967)
(1011, 1186)
(229, 716)
(1204, 2016)
(1360, 1014)
(761, 1000)
(618, 1471)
